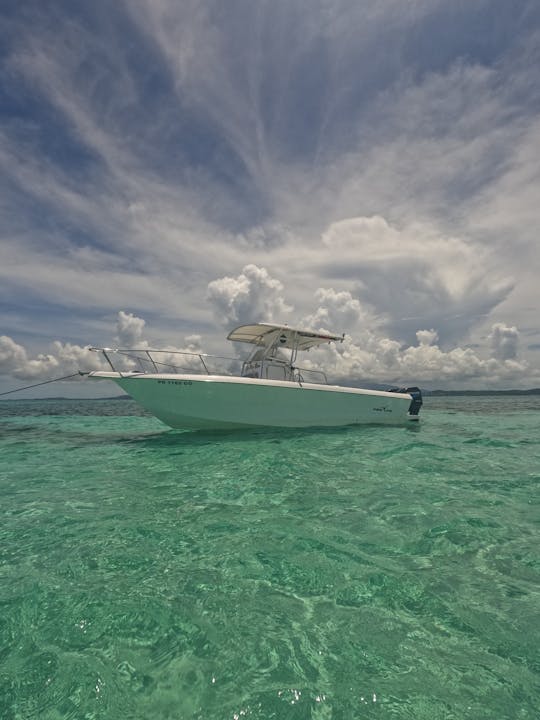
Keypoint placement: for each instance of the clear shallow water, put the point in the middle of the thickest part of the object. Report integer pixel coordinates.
(357, 573)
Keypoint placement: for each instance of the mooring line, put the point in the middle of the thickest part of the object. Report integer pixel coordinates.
(46, 382)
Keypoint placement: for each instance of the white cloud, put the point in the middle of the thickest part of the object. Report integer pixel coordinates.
(367, 355)
(387, 361)
(12, 355)
(130, 330)
(504, 342)
(253, 295)
(416, 275)
(65, 359)
(427, 337)
(339, 309)
(68, 358)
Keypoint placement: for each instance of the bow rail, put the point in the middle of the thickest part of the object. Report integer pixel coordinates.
(147, 360)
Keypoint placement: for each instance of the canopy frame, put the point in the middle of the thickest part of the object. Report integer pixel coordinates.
(267, 360)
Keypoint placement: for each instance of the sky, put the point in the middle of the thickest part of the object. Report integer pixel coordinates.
(170, 170)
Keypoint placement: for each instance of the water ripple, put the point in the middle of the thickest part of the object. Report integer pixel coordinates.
(364, 572)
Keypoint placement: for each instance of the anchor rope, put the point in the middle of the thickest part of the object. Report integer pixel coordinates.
(46, 382)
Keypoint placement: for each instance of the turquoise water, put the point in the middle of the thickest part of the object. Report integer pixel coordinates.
(357, 573)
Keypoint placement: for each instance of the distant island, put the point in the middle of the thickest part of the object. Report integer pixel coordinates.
(441, 393)
(61, 397)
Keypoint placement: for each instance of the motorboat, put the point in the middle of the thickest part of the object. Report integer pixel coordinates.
(267, 389)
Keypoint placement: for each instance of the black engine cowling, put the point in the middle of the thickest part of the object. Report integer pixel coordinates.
(416, 402)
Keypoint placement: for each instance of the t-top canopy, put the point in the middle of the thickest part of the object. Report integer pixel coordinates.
(266, 334)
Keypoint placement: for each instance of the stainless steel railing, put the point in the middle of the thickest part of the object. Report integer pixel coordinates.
(165, 361)
(146, 360)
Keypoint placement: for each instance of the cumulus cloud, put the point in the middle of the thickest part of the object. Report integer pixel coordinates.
(504, 342)
(253, 295)
(129, 330)
(64, 359)
(68, 358)
(339, 309)
(387, 361)
(12, 355)
(427, 337)
(415, 275)
(368, 355)
(130, 336)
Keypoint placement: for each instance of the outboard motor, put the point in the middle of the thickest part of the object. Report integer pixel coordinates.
(416, 402)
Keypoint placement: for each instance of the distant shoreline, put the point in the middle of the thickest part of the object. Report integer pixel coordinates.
(59, 397)
(444, 393)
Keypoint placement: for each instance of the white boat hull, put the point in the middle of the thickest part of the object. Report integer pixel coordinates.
(222, 402)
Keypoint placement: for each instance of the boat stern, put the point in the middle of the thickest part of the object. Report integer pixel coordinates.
(416, 401)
